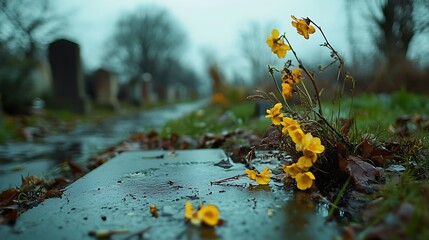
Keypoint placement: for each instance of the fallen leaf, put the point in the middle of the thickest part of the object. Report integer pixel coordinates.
(225, 163)
(76, 170)
(53, 193)
(364, 174)
(9, 217)
(7, 196)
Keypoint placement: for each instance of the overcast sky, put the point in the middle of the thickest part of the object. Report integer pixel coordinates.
(210, 24)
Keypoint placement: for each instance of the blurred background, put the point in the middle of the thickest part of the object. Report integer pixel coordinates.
(180, 49)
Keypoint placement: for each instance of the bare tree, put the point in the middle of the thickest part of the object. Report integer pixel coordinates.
(397, 23)
(148, 40)
(394, 26)
(25, 27)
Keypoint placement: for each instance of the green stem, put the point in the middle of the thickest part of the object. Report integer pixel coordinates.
(338, 198)
(313, 81)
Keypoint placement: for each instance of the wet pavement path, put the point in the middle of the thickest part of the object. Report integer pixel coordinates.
(118, 195)
(86, 140)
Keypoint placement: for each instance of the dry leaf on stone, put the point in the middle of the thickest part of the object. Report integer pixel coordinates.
(364, 174)
(7, 196)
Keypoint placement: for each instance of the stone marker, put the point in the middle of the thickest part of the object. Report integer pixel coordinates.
(68, 82)
(106, 89)
(118, 195)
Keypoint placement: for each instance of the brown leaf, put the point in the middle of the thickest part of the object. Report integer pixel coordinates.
(364, 174)
(138, 137)
(60, 182)
(9, 217)
(346, 124)
(53, 193)
(7, 196)
(75, 169)
(366, 148)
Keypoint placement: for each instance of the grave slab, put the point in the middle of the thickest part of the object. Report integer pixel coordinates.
(118, 195)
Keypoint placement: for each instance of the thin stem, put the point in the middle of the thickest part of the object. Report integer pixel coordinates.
(327, 42)
(313, 81)
(270, 70)
(337, 199)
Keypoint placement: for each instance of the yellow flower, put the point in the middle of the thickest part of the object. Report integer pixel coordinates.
(292, 170)
(262, 178)
(276, 44)
(191, 214)
(296, 75)
(220, 99)
(251, 174)
(304, 180)
(303, 28)
(298, 137)
(274, 114)
(189, 210)
(289, 125)
(209, 214)
(286, 91)
(312, 144)
(307, 159)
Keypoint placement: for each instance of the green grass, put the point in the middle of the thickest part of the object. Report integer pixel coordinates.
(216, 119)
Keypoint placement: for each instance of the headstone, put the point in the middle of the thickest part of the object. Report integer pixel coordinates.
(106, 89)
(68, 82)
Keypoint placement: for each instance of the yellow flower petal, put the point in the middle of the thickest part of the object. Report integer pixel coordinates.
(251, 174)
(275, 34)
(298, 137)
(304, 180)
(189, 210)
(286, 91)
(292, 170)
(264, 177)
(209, 214)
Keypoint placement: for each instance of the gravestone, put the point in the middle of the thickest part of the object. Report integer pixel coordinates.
(68, 82)
(119, 195)
(106, 89)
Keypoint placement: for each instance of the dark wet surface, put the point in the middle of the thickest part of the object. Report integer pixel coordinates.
(42, 158)
(118, 195)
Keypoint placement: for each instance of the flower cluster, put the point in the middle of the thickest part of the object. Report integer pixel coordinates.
(289, 78)
(262, 178)
(208, 214)
(304, 142)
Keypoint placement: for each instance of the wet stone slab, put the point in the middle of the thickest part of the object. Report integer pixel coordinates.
(118, 195)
